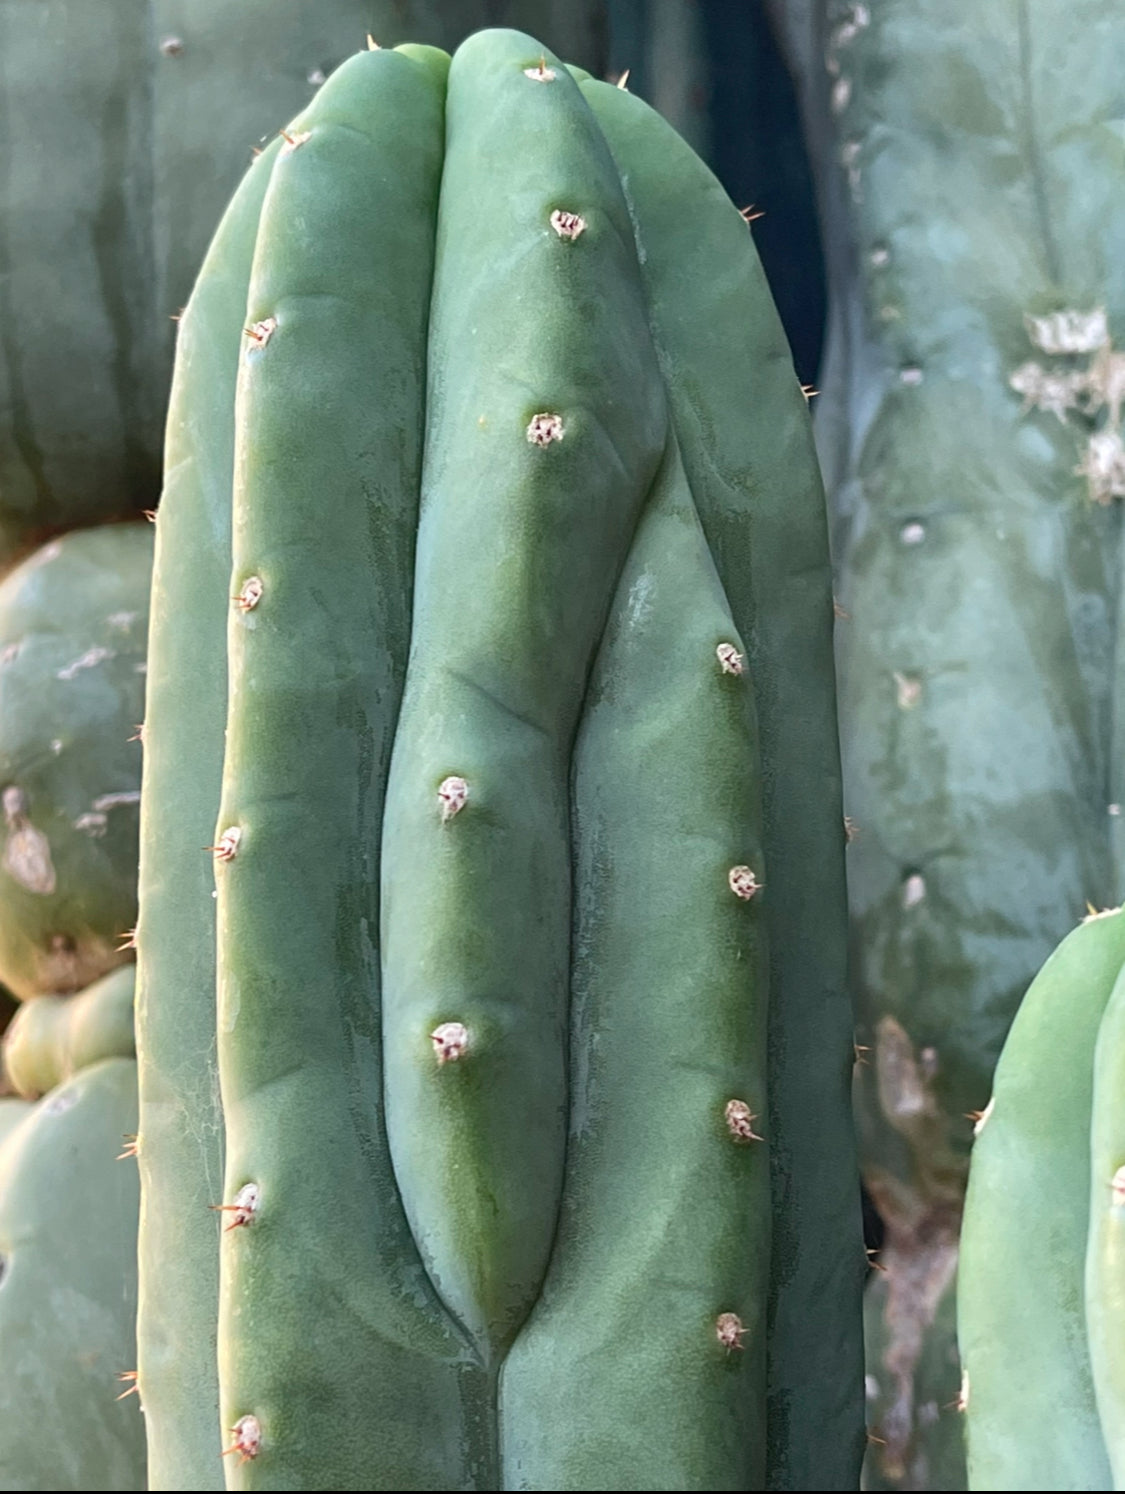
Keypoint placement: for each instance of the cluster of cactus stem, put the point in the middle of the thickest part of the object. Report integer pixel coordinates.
(73, 626)
(504, 1023)
(969, 428)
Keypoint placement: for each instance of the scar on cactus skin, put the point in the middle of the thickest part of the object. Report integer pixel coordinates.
(730, 660)
(450, 1041)
(133, 1389)
(743, 882)
(740, 1121)
(567, 225)
(729, 1330)
(261, 332)
(244, 1208)
(250, 595)
(453, 793)
(247, 1434)
(544, 429)
(226, 849)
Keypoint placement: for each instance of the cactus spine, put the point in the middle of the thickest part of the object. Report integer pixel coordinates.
(540, 614)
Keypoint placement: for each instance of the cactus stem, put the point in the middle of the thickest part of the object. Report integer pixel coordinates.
(130, 1148)
(246, 1203)
(247, 1434)
(450, 1041)
(1118, 1186)
(250, 595)
(542, 73)
(567, 225)
(133, 1389)
(545, 428)
(740, 1121)
(453, 793)
(743, 882)
(729, 658)
(226, 848)
(729, 1330)
(261, 332)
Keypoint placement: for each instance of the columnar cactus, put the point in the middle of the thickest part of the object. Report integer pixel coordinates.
(73, 627)
(126, 127)
(68, 1219)
(491, 660)
(970, 427)
(1041, 1287)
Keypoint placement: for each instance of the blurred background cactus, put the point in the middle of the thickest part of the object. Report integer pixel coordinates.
(971, 183)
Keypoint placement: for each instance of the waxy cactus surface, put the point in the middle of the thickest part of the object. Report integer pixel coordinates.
(1041, 1287)
(127, 125)
(491, 660)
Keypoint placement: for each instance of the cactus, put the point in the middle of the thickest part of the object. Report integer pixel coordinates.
(68, 1219)
(972, 195)
(53, 1037)
(543, 622)
(115, 174)
(73, 623)
(1039, 1313)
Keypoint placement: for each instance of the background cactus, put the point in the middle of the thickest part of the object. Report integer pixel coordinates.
(971, 183)
(126, 127)
(570, 491)
(73, 626)
(53, 1037)
(68, 1220)
(1040, 1284)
